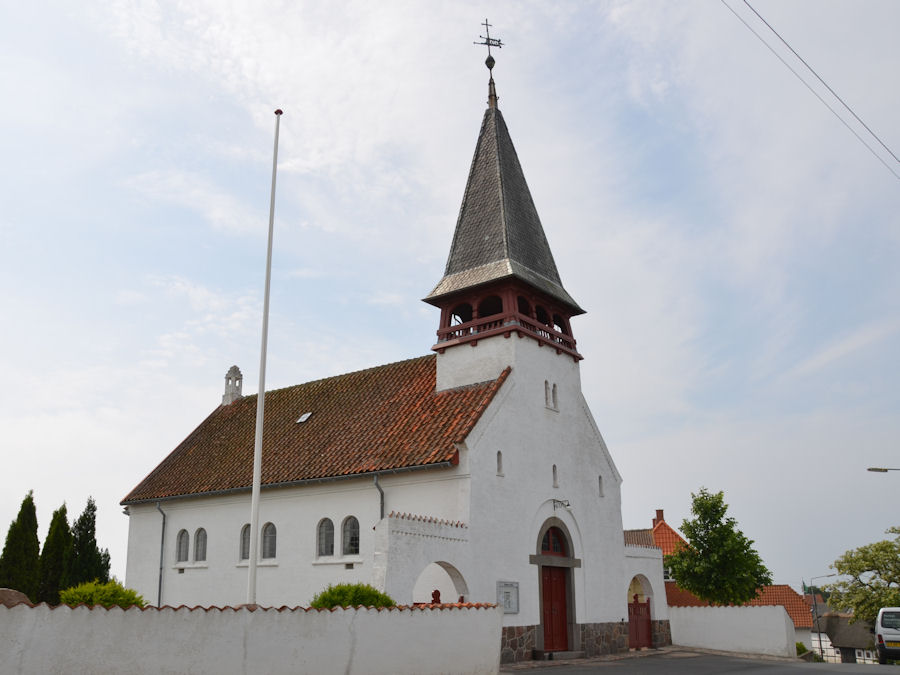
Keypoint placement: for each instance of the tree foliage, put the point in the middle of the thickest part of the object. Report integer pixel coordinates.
(21, 552)
(89, 563)
(107, 594)
(351, 595)
(56, 558)
(719, 564)
(874, 579)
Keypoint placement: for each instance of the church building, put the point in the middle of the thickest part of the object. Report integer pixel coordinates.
(476, 471)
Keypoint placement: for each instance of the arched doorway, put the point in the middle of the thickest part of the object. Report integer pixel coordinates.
(443, 577)
(555, 560)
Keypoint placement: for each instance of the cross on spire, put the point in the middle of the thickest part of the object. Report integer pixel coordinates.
(488, 42)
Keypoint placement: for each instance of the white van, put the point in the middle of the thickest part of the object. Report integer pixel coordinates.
(887, 634)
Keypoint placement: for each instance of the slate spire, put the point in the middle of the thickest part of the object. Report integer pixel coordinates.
(498, 232)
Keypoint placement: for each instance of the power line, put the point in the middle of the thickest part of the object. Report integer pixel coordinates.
(803, 61)
(814, 92)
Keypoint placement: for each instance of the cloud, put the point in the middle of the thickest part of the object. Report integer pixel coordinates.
(862, 338)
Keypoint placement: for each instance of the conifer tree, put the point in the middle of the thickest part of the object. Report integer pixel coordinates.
(88, 562)
(55, 558)
(20, 558)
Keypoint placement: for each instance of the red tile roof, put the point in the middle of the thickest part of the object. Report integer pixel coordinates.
(639, 538)
(779, 594)
(666, 537)
(383, 418)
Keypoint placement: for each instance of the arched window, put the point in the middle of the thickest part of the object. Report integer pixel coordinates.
(554, 542)
(200, 545)
(555, 401)
(350, 536)
(499, 463)
(325, 538)
(541, 315)
(491, 305)
(245, 542)
(600, 481)
(555, 477)
(546, 393)
(524, 306)
(461, 314)
(268, 541)
(182, 546)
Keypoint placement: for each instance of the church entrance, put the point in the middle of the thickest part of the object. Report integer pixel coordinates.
(555, 613)
(555, 590)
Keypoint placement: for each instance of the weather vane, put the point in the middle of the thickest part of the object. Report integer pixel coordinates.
(488, 42)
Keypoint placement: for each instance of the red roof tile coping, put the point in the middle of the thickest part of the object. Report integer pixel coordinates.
(384, 419)
(427, 519)
(257, 608)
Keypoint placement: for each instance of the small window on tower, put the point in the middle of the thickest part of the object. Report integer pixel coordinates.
(489, 306)
(499, 463)
(461, 314)
(555, 477)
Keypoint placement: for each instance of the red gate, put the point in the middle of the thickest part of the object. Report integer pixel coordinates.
(639, 624)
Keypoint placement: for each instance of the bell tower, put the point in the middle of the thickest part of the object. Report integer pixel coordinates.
(500, 280)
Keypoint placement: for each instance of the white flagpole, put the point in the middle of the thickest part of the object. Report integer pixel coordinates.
(261, 396)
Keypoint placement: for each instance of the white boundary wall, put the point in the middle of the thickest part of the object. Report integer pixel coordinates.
(81, 640)
(753, 630)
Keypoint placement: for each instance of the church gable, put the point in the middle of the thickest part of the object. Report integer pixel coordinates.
(381, 419)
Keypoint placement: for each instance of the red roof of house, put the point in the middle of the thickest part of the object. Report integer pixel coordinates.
(779, 594)
(666, 537)
(383, 418)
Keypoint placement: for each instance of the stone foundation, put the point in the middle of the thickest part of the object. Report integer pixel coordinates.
(596, 639)
(517, 643)
(599, 639)
(661, 632)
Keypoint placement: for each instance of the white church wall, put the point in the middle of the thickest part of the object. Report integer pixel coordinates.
(83, 641)
(533, 437)
(296, 573)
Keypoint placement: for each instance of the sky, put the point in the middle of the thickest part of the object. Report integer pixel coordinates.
(734, 243)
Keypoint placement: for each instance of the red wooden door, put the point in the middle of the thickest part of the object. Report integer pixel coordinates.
(639, 625)
(553, 581)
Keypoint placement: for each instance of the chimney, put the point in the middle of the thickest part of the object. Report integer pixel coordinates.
(233, 383)
(659, 517)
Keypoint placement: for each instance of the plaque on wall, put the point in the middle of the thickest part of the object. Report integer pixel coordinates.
(508, 596)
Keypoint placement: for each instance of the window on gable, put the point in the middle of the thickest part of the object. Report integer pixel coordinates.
(325, 538)
(245, 542)
(555, 400)
(350, 536)
(600, 482)
(182, 546)
(268, 541)
(499, 463)
(555, 477)
(200, 545)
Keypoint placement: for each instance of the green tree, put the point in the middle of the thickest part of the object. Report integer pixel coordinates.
(719, 563)
(55, 558)
(107, 594)
(21, 553)
(874, 579)
(88, 562)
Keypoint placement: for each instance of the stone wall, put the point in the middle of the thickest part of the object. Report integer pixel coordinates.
(661, 632)
(599, 639)
(517, 643)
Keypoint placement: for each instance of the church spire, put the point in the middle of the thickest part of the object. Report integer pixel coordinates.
(499, 247)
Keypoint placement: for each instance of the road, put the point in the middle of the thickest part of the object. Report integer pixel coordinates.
(675, 661)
